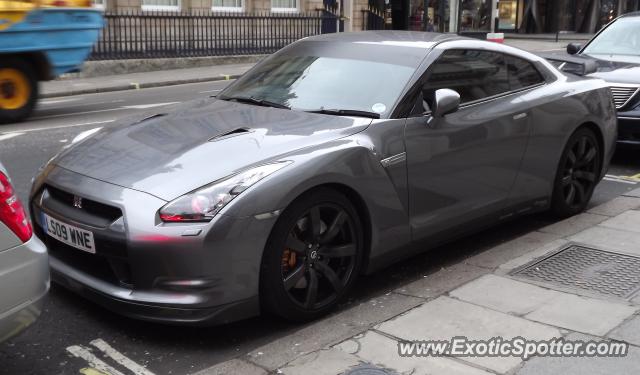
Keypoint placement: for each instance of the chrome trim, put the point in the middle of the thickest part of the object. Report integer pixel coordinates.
(623, 93)
(628, 118)
(395, 159)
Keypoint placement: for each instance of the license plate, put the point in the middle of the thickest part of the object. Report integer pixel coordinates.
(69, 234)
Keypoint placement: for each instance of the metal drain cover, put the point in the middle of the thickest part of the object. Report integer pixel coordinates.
(585, 268)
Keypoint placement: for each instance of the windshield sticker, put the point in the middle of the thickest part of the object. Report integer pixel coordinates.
(379, 108)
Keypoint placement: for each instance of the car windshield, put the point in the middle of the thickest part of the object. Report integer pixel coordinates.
(316, 83)
(621, 38)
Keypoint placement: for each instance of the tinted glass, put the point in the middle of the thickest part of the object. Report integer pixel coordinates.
(522, 73)
(620, 41)
(315, 82)
(473, 74)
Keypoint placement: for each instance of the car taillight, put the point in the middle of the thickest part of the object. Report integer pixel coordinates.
(12, 214)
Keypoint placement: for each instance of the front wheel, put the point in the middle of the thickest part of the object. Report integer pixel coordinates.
(18, 90)
(577, 175)
(312, 256)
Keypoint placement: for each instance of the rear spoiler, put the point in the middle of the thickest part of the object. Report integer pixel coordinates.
(577, 65)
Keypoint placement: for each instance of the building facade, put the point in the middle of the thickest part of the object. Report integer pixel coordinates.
(510, 16)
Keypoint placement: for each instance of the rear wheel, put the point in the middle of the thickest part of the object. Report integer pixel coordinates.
(18, 90)
(578, 174)
(312, 257)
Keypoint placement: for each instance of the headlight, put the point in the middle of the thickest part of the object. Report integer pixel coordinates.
(204, 203)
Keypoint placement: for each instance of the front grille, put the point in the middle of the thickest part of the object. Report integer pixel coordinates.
(623, 94)
(97, 209)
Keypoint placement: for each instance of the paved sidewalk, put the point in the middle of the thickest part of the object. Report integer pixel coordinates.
(481, 298)
(133, 81)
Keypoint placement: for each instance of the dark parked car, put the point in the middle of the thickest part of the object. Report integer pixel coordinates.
(335, 156)
(616, 50)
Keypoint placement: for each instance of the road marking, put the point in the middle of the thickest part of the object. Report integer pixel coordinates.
(622, 179)
(5, 136)
(77, 113)
(147, 106)
(93, 361)
(91, 371)
(120, 358)
(208, 91)
(60, 127)
(56, 101)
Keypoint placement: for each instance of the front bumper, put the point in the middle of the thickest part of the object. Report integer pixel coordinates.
(25, 275)
(629, 129)
(201, 273)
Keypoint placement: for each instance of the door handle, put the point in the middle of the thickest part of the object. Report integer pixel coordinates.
(520, 116)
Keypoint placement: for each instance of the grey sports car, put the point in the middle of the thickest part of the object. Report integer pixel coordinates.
(335, 156)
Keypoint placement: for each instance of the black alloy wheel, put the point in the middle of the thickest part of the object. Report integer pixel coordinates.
(578, 174)
(317, 248)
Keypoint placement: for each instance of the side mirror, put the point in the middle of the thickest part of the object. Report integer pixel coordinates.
(445, 101)
(573, 48)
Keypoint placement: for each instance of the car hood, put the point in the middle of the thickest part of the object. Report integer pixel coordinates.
(617, 71)
(168, 155)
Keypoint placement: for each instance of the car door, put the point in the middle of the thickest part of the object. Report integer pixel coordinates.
(462, 166)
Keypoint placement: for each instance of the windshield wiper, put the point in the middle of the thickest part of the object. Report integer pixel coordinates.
(345, 112)
(256, 101)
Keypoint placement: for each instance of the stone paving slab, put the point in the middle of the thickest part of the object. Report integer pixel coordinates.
(532, 256)
(629, 365)
(616, 206)
(382, 351)
(574, 224)
(628, 220)
(548, 306)
(445, 318)
(331, 330)
(442, 281)
(512, 249)
(629, 331)
(323, 362)
(610, 239)
(234, 366)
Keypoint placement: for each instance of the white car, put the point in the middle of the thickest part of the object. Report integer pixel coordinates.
(24, 265)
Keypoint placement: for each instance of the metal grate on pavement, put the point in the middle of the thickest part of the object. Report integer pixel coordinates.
(581, 267)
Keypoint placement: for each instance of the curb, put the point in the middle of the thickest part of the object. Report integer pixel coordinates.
(136, 86)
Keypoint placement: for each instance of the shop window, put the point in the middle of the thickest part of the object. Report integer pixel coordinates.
(164, 5)
(475, 16)
(507, 14)
(228, 5)
(284, 5)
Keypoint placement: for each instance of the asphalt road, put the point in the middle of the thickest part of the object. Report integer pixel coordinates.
(70, 320)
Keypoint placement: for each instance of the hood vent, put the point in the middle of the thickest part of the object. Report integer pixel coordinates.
(231, 133)
(150, 117)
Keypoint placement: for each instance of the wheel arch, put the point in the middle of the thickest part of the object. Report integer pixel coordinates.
(362, 209)
(599, 136)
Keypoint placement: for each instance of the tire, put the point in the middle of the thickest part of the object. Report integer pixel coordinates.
(18, 89)
(577, 175)
(320, 230)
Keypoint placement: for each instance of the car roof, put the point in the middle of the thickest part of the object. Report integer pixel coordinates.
(632, 14)
(398, 38)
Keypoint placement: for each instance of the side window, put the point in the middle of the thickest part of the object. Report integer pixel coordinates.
(522, 73)
(473, 74)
